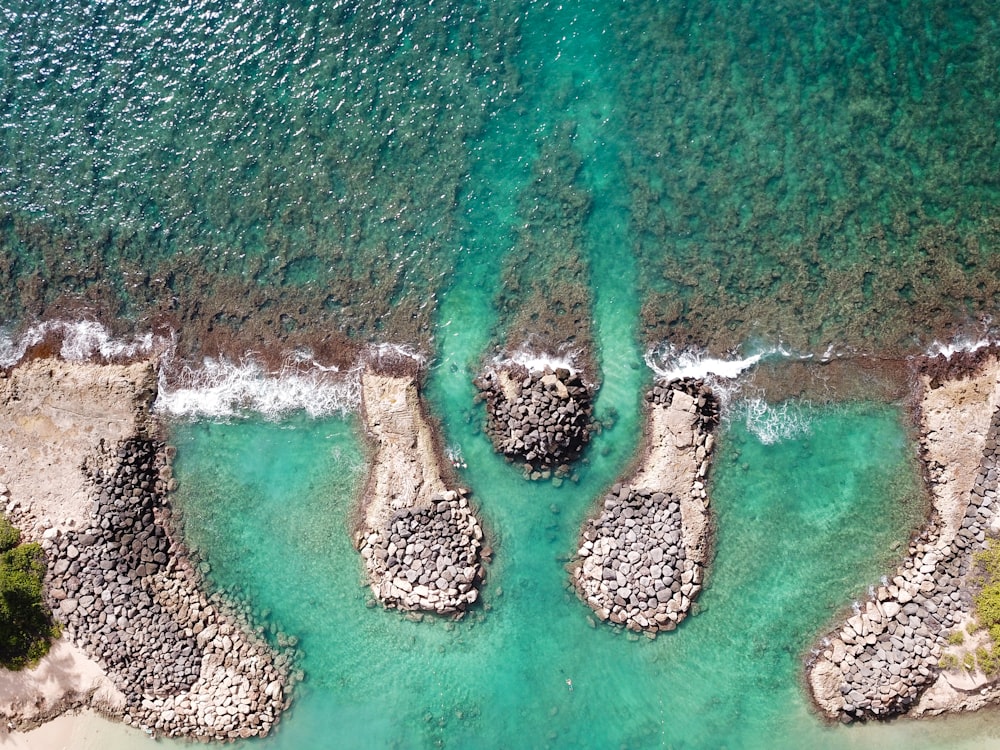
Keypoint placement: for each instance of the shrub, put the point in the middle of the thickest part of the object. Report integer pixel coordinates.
(9, 536)
(957, 638)
(989, 560)
(948, 661)
(988, 599)
(988, 660)
(25, 623)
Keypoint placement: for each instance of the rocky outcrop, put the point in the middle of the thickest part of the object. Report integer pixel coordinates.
(142, 641)
(884, 659)
(127, 597)
(641, 558)
(421, 542)
(541, 418)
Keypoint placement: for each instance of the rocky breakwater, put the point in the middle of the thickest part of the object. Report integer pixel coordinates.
(541, 418)
(127, 596)
(641, 559)
(421, 542)
(883, 660)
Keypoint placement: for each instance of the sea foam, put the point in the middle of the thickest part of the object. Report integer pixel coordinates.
(536, 362)
(81, 340)
(220, 389)
(962, 344)
(774, 423)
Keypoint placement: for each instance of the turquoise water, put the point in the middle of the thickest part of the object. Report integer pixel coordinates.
(804, 526)
(312, 173)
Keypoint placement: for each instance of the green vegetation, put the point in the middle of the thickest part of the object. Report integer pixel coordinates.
(26, 626)
(9, 536)
(988, 660)
(957, 638)
(948, 661)
(988, 599)
(969, 661)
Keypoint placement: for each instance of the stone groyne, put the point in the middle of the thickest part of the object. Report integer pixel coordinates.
(642, 557)
(421, 541)
(884, 659)
(127, 596)
(85, 477)
(540, 418)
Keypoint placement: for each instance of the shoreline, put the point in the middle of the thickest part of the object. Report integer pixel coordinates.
(389, 380)
(86, 475)
(883, 660)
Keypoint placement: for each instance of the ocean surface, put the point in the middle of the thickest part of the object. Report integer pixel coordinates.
(668, 184)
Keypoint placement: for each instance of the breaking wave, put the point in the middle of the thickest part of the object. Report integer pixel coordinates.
(961, 345)
(536, 362)
(220, 389)
(81, 340)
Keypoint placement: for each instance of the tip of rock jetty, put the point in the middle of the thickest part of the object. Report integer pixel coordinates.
(421, 541)
(541, 418)
(641, 558)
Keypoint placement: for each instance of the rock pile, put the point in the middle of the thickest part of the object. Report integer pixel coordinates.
(543, 419)
(428, 558)
(126, 596)
(879, 662)
(641, 564)
(635, 570)
(706, 403)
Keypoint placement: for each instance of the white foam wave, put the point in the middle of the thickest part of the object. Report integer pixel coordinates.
(81, 340)
(537, 362)
(220, 389)
(773, 423)
(669, 363)
(961, 344)
(12, 349)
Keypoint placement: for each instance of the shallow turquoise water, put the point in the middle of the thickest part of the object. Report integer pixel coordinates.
(804, 525)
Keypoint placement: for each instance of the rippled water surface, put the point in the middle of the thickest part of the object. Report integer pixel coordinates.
(313, 172)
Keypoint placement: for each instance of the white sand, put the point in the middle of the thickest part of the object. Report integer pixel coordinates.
(79, 731)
